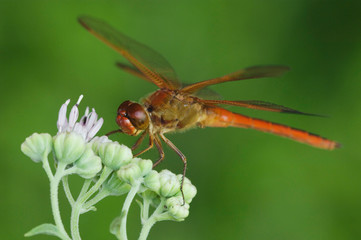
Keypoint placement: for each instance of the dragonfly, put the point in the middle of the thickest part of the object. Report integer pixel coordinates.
(175, 107)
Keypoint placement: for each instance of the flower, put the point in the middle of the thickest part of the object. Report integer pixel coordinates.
(189, 190)
(68, 147)
(37, 146)
(114, 155)
(176, 208)
(97, 141)
(115, 186)
(88, 165)
(164, 183)
(136, 169)
(88, 125)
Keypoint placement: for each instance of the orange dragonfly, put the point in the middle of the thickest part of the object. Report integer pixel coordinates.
(174, 107)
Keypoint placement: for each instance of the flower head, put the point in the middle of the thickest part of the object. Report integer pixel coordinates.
(37, 146)
(88, 125)
(176, 208)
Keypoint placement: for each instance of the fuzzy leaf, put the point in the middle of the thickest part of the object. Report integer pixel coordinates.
(47, 229)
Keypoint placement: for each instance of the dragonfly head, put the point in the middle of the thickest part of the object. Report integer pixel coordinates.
(132, 118)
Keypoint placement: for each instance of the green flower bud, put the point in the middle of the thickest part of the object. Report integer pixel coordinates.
(97, 141)
(88, 165)
(169, 183)
(152, 181)
(114, 155)
(144, 165)
(36, 146)
(115, 186)
(129, 173)
(176, 208)
(189, 190)
(68, 147)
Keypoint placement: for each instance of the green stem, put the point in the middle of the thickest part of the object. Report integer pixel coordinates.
(148, 224)
(47, 168)
(122, 234)
(146, 228)
(146, 203)
(54, 185)
(83, 196)
(105, 174)
(101, 195)
(75, 212)
(85, 188)
(67, 191)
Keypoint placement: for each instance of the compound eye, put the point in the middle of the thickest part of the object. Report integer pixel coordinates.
(124, 107)
(137, 116)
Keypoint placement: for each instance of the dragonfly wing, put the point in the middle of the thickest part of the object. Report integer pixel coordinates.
(247, 73)
(132, 70)
(153, 65)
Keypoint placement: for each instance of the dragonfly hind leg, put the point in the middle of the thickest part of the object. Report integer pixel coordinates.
(158, 144)
(182, 156)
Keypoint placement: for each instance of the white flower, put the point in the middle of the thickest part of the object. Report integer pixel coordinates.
(88, 125)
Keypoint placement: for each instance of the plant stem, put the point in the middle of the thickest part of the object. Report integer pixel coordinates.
(146, 203)
(47, 168)
(146, 228)
(101, 195)
(74, 221)
(105, 174)
(54, 185)
(67, 191)
(122, 234)
(83, 196)
(148, 224)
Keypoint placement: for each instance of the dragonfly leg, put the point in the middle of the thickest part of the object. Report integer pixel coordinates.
(112, 132)
(139, 140)
(149, 146)
(158, 144)
(181, 155)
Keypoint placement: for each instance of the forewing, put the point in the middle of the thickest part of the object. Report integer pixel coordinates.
(259, 105)
(247, 73)
(153, 65)
(132, 70)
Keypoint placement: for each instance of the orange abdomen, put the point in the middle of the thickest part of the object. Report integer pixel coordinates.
(219, 117)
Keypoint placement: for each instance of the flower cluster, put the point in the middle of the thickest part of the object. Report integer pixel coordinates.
(108, 169)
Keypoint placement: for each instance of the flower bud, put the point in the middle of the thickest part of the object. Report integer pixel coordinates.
(68, 147)
(129, 173)
(36, 146)
(169, 183)
(176, 208)
(88, 165)
(152, 181)
(189, 190)
(114, 155)
(144, 165)
(115, 186)
(97, 141)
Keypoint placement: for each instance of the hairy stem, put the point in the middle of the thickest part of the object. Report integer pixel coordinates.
(54, 185)
(148, 224)
(67, 191)
(122, 234)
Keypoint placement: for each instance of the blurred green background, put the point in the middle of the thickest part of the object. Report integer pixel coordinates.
(251, 185)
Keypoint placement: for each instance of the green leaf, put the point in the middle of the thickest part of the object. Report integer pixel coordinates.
(115, 226)
(46, 228)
